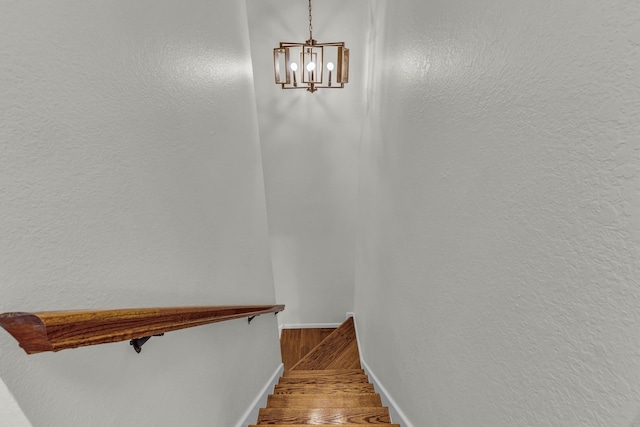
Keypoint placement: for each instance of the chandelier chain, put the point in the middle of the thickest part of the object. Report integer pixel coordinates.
(310, 25)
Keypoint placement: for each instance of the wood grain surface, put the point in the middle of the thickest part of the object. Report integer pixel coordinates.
(322, 425)
(322, 388)
(361, 415)
(58, 330)
(326, 387)
(296, 343)
(338, 351)
(324, 401)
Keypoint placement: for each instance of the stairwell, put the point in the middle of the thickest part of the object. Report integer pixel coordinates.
(326, 387)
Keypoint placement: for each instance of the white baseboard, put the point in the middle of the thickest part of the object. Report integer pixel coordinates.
(397, 416)
(307, 326)
(251, 416)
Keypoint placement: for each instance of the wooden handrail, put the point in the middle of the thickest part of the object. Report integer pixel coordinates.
(59, 330)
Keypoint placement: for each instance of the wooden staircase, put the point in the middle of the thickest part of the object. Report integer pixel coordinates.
(326, 387)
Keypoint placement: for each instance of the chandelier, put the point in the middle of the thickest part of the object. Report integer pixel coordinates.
(302, 65)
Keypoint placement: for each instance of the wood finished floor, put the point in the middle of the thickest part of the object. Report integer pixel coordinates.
(296, 343)
(338, 351)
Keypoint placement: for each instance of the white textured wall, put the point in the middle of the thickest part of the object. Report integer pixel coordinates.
(497, 268)
(130, 175)
(10, 412)
(310, 156)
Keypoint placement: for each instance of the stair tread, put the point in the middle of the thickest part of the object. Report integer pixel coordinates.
(342, 400)
(323, 388)
(359, 415)
(337, 351)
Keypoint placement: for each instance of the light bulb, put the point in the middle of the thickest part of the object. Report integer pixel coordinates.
(311, 66)
(330, 66)
(294, 66)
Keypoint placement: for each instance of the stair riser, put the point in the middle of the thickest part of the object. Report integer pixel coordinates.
(323, 425)
(322, 389)
(324, 380)
(322, 373)
(343, 400)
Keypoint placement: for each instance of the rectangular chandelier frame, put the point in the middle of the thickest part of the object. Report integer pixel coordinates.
(311, 65)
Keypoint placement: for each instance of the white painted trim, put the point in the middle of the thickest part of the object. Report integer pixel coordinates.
(309, 325)
(397, 416)
(355, 325)
(251, 416)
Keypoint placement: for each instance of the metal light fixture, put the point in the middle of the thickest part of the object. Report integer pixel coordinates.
(301, 65)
